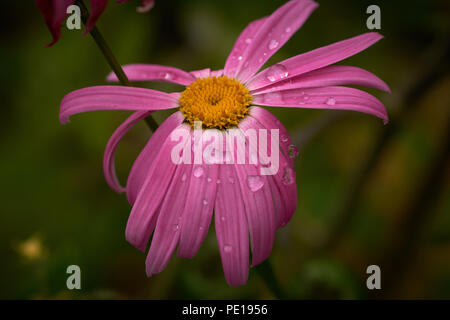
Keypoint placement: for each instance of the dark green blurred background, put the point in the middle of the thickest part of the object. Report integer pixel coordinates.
(368, 193)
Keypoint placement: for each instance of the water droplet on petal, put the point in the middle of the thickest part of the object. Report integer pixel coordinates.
(248, 40)
(255, 183)
(227, 249)
(276, 72)
(287, 30)
(198, 172)
(240, 58)
(183, 177)
(200, 229)
(293, 151)
(222, 218)
(205, 202)
(273, 44)
(284, 138)
(288, 176)
(218, 181)
(209, 179)
(331, 101)
(231, 179)
(176, 227)
(167, 75)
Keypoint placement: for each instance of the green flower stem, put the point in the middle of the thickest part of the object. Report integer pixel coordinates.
(112, 61)
(265, 270)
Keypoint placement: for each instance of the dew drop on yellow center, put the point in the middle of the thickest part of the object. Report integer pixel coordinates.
(218, 102)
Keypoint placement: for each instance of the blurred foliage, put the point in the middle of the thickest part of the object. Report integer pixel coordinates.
(57, 209)
(325, 279)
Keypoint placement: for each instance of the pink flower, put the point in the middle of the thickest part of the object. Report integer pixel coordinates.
(175, 202)
(55, 12)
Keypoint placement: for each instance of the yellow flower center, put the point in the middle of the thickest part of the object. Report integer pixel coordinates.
(218, 102)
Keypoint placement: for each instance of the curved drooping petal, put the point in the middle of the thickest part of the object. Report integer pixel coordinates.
(258, 203)
(200, 200)
(114, 98)
(169, 223)
(97, 8)
(270, 122)
(110, 150)
(153, 192)
(231, 227)
(243, 41)
(153, 72)
(313, 60)
(335, 98)
(284, 188)
(142, 164)
(54, 12)
(328, 76)
(272, 35)
(283, 184)
(198, 211)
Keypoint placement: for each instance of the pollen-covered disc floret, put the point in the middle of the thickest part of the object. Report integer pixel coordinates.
(218, 102)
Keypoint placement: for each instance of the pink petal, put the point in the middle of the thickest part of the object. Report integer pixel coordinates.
(108, 158)
(198, 211)
(204, 73)
(284, 197)
(283, 184)
(335, 98)
(246, 37)
(198, 208)
(145, 210)
(231, 227)
(272, 35)
(54, 12)
(169, 224)
(141, 166)
(313, 60)
(217, 73)
(97, 8)
(284, 188)
(146, 6)
(328, 76)
(153, 72)
(114, 98)
(259, 206)
(270, 122)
